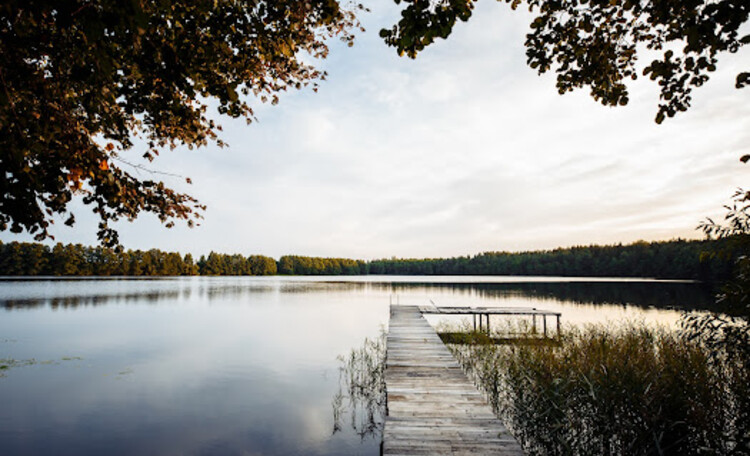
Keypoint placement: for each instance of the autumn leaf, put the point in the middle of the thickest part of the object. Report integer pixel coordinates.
(76, 91)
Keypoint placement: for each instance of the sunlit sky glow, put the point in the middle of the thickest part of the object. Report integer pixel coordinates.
(463, 150)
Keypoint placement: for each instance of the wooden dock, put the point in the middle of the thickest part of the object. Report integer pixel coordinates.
(433, 408)
(484, 315)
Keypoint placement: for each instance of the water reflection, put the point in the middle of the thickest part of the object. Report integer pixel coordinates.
(234, 365)
(72, 302)
(646, 294)
(67, 294)
(217, 367)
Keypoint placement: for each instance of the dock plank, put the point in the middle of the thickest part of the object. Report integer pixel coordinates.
(433, 408)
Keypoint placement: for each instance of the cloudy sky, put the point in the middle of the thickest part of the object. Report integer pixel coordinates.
(461, 151)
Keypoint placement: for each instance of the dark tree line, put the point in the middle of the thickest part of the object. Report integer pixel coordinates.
(301, 265)
(678, 259)
(223, 264)
(32, 259)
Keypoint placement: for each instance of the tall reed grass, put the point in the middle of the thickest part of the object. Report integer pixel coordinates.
(361, 394)
(614, 390)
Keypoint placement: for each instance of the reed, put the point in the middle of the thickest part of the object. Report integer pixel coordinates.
(361, 393)
(630, 389)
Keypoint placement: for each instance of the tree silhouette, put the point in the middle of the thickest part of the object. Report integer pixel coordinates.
(81, 80)
(596, 43)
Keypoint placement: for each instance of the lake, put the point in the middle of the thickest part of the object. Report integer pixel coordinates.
(236, 365)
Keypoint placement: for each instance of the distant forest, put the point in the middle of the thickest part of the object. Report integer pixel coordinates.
(677, 259)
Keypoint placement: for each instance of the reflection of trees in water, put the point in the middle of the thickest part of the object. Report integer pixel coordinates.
(219, 289)
(361, 394)
(71, 302)
(171, 292)
(224, 291)
(640, 294)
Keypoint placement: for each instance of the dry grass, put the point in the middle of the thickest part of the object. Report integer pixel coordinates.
(625, 390)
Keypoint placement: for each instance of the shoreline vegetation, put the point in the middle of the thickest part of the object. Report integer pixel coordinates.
(627, 389)
(675, 259)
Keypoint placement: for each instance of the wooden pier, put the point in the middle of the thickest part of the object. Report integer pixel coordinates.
(484, 315)
(433, 408)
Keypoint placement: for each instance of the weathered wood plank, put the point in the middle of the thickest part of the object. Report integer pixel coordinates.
(433, 408)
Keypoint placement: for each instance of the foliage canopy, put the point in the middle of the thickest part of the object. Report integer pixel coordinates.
(80, 80)
(595, 43)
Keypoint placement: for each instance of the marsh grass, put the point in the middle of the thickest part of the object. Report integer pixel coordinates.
(612, 390)
(9, 363)
(504, 332)
(6, 364)
(361, 395)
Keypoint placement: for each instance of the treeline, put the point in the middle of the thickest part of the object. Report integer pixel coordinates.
(301, 265)
(222, 264)
(31, 259)
(678, 259)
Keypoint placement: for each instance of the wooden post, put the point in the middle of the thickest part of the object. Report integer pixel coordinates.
(474, 317)
(533, 324)
(488, 324)
(558, 325)
(545, 326)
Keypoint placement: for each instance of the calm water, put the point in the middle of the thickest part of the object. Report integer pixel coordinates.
(233, 365)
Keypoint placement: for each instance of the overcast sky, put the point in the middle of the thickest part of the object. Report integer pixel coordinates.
(461, 151)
